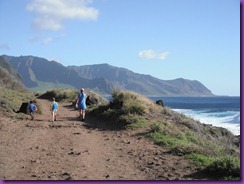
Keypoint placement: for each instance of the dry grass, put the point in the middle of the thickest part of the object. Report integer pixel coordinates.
(133, 103)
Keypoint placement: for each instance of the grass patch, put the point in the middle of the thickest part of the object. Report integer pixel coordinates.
(61, 94)
(127, 109)
(135, 122)
(227, 167)
(200, 159)
(179, 143)
(132, 103)
(223, 167)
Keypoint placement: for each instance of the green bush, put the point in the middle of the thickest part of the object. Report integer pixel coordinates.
(180, 142)
(225, 167)
(128, 102)
(127, 109)
(200, 159)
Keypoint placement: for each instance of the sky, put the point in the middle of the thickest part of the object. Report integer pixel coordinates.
(167, 39)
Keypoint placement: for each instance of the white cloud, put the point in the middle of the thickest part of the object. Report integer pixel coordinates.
(56, 59)
(152, 54)
(51, 14)
(4, 46)
(45, 40)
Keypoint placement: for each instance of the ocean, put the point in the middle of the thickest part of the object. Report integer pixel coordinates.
(218, 111)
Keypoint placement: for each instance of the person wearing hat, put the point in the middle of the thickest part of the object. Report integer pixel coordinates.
(81, 104)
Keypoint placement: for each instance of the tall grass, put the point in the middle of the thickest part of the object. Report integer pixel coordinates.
(127, 109)
(132, 103)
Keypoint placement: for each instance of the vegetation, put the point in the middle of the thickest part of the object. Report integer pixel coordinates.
(60, 94)
(12, 93)
(70, 95)
(208, 147)
(212, 156)
(126, 110)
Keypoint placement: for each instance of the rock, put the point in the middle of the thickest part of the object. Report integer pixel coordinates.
(90, 100)
(160, 102)
(23, 108)
(66, 176)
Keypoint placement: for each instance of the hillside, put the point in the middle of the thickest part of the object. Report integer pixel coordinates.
(12, 91)
(39, 73)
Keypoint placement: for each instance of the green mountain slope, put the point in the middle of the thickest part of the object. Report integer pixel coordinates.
(39, 73)
(144, 84)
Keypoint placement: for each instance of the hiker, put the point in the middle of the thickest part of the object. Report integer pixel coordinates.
(54, 109)
(81, 104)
(32, 108)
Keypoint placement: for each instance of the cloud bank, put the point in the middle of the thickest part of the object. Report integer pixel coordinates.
(51, 14)
(154, 55)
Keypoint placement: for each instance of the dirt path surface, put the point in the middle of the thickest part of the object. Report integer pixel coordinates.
(70, 150)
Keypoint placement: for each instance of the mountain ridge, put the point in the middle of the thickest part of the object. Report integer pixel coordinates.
(102, 78)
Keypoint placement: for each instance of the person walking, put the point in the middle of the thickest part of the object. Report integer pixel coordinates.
(32, 109)
(54, 109)
(81, 104)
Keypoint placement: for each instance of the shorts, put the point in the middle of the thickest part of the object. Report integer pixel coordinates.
(55, 112)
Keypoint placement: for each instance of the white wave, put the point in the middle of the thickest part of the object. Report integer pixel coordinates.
(229, 120)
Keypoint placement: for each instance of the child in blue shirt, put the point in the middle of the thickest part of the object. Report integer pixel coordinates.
(32, 109)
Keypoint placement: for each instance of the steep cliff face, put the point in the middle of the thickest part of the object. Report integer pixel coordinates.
(100, 77)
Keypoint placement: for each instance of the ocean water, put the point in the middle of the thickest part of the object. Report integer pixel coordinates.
(218, 111)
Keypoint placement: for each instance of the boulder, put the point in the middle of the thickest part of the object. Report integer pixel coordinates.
(160, 102)
(90, 100)
(23, 108)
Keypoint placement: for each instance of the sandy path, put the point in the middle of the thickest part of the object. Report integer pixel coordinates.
(34, 150)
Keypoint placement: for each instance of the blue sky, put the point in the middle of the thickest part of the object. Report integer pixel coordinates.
(167, 39)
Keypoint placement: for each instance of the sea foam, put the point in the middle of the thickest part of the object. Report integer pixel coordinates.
(229, 119)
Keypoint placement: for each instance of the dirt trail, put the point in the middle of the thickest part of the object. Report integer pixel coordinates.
(43, 150)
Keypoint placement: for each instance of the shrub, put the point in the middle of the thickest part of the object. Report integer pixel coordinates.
(132, 103)
(60, 94)
(160, 126)
(127, 109)
(225, 167)
(177, 141)
(200, 159)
